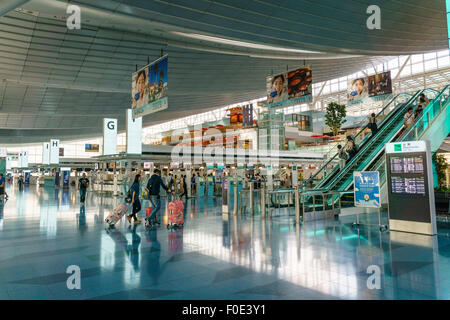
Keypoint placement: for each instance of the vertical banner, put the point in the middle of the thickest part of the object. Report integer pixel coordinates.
(109, 136)
(54, 151)
(8, 163)
(134, 134)
(46, 153)
(247, 116)
(24, 159)
(20, 160)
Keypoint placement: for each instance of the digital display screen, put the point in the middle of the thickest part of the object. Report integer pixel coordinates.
(407, 164)
(408, 185)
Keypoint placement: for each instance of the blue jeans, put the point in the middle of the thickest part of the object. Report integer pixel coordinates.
(82, 194)
(156, 204)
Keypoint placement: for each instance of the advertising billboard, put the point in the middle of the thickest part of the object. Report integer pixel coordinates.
(357, 89)
(91, 147)
(289, 88)
(372, 86)
(380, 84)
(149, 88)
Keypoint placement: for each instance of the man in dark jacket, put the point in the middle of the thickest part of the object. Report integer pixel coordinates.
(154, 185)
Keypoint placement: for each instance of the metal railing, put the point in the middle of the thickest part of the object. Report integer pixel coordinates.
(323, 204)
(429, 114)
(361, 153)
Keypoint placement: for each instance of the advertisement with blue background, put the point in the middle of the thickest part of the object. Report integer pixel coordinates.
(149, 88)
(367, 189)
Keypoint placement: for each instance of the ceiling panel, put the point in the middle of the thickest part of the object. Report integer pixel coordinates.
(65, 81)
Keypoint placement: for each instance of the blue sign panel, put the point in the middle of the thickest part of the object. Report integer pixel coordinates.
(367, 189)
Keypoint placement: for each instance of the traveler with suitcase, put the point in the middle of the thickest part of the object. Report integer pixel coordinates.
(135, 202)
(154, 185)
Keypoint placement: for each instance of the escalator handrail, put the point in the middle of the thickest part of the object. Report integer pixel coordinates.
(377, 135)
(424, 112)
(359, 132)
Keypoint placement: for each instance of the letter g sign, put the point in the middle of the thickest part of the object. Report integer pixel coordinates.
(110, 125)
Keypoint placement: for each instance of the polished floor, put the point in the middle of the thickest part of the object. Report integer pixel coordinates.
(215, 256)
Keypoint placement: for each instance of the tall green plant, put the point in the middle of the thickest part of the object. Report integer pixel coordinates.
(335, 117)
(441, 166)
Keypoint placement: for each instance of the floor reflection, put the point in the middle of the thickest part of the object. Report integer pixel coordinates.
(214, 256)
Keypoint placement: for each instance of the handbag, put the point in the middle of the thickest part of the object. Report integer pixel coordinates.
(128, 196)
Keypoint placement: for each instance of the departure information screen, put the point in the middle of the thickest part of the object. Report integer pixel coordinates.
(407, 174)
(406, 165)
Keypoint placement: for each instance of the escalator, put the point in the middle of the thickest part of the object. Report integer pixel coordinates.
(392, 108)
(373, 149)
(433, 125)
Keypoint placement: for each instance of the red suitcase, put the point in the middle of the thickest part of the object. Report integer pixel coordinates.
(175, 215)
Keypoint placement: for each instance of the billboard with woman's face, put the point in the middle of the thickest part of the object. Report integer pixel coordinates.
(289, 88)
(371, 86)
(357, 89)
(149, 88)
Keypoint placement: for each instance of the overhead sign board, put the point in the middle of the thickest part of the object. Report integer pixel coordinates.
(54, 151)
(109, 136)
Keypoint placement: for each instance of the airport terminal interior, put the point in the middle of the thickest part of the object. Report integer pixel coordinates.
(224, 150)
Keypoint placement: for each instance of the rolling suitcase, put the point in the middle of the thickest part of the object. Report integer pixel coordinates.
(117, 214)
(175, 216)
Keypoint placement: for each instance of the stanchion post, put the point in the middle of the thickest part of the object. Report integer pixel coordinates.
(297, 205)
(251, 199)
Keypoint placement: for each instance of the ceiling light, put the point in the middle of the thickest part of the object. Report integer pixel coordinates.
(240, 43)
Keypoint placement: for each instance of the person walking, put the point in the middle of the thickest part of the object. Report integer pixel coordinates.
(83, 184)
(135, 202)
(2, 187)
(193, 185)
(154, 185)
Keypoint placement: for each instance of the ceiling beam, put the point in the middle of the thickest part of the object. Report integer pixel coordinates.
(9, 5)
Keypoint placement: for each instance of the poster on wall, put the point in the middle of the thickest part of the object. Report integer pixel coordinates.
(367, 189)
(380, 84)
(149, 88)
(91, 147)
(372, 86)
(289, 88)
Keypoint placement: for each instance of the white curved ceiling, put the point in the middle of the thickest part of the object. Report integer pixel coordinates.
(60, 83)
